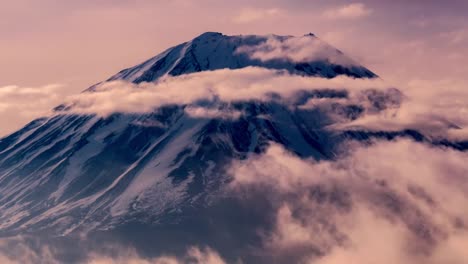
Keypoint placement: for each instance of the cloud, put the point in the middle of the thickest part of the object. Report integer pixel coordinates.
(297, 49)
(405, 56)
(249, 15)
(220, 85)
(20, 104)
(437, 109)
(212, 113)
(350, 11)
(329, 212)
(455, 37)
(194, 255)
(18, 99)
(358, 208)
(20, 250)
(15, 250)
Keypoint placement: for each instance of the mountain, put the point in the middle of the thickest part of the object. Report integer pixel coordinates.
(212, 51)
(158, 178)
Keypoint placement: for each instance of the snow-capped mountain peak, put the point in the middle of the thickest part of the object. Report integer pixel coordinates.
(213, 51)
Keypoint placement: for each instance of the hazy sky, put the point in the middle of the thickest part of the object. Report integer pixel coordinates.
(77, 43)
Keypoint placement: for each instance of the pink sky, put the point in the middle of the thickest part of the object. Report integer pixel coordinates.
(78, 43)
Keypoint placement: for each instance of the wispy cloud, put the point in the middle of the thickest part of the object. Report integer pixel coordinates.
(20, 104)
(193, 255)
(350, 11)
(212, 113)
(249, 15)
(456, 37)
(20, 98)
(24, 250)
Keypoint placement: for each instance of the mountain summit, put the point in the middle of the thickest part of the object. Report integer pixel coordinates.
(213, 51)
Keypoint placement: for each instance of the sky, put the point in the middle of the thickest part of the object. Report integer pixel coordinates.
(52, 49)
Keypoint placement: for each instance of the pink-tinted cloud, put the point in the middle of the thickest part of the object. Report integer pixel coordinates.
(227, 85)
(249, 15)
(17, 250)
(350, 11)
(437, 109)
(19, 105)
(193, 255)
(212, 113)
(328, 211)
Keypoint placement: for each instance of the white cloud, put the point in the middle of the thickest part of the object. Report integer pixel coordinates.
(224, 85)
(249, 15)
(437, 109)
(350, 11)
(362, 208)
(210, 113)
(296, 49)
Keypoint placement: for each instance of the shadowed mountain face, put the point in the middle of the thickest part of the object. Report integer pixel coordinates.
(158, 181)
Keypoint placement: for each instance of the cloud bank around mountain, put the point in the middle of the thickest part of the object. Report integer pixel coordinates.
(224, 85)
(437, 110)
(391, 202)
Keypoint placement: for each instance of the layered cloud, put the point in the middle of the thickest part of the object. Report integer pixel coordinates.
(329, 212)
(221, 85)
(438, 109)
